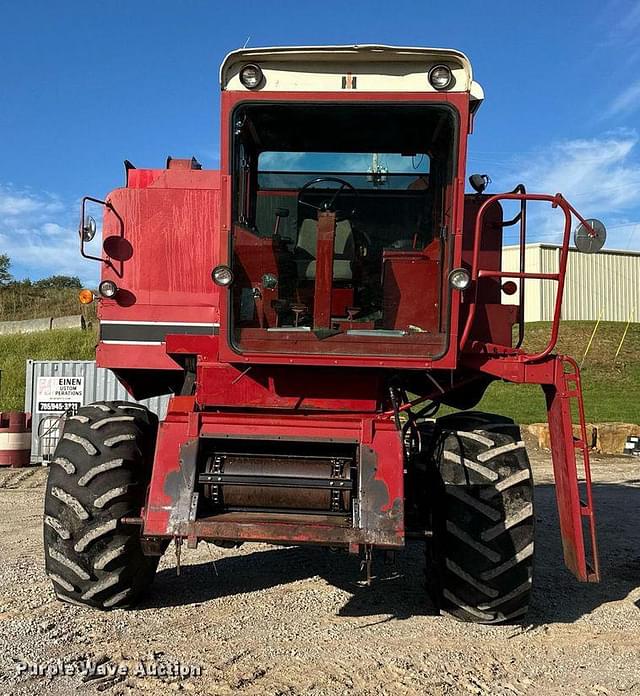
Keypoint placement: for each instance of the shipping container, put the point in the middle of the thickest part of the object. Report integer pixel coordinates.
(56, 388)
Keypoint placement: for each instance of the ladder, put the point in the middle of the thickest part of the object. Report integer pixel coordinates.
(576, 511)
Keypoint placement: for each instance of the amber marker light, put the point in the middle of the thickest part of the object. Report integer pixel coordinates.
(85, 296)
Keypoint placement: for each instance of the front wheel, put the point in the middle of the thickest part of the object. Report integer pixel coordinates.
(481, 502)
(99, 474)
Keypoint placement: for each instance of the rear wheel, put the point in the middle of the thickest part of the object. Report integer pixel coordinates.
(99, 474)
(481, 502)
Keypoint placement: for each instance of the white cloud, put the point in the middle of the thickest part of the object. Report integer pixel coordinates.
(603, 173)
(280, 161)
(622, 19)
(599, 176)
(14, 204)
(38, 234)
(623, 234)
(618, 23)
(53, 229)
(626, 102)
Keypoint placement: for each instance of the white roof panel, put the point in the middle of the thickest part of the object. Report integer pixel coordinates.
(377, 67)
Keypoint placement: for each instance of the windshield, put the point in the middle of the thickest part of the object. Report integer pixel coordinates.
(371, 170)
(342, 215)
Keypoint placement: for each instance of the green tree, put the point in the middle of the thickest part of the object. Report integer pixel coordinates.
(5, 265)
(58, 282)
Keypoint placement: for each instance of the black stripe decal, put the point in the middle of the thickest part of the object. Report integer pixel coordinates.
(152, 332)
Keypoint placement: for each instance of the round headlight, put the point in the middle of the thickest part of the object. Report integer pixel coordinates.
(440, 77)
(459, 279)
(251, 76)
(108, 288)
(222, 275)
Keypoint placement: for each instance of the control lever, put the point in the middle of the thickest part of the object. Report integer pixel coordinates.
(280, 213)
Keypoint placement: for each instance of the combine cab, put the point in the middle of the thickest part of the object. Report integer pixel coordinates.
(310, 306)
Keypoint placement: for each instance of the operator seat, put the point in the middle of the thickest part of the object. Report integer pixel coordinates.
(344, 252)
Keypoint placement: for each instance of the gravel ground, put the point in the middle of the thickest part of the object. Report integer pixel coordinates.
(268, 620)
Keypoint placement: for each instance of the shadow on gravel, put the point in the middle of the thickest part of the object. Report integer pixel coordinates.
(557, 596)
(398, 590)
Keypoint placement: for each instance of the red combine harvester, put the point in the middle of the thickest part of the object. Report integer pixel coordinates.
(310, 306)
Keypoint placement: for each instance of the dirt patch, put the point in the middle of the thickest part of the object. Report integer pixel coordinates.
(270, 620)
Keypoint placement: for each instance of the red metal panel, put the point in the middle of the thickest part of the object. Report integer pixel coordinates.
(410, 282)
(169, 236)
(306, 529)
(282, 387)
(172, 434)
(161, 243)
(173, 178)
(324, 270)
(566, 477)
(494, 324)
(334, 350)
(253, 257)
(382, 497)
(137, 357)
(141, 178)
(490, 252)
(341, 299)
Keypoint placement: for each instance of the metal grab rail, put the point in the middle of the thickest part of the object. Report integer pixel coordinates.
(557, 201)
(107, 261)
(83, 205)
(521, 217)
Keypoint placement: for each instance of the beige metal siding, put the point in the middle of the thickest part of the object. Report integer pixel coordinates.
(533, 288)
(605, 285)
(549, 262)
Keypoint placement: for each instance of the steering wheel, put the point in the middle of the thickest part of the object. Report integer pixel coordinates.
(328, 205)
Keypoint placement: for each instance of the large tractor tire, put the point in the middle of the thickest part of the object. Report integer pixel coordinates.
(481, 500)
(99, 474)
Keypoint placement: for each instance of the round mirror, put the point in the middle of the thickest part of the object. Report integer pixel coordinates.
(88, 229)
(590, 239)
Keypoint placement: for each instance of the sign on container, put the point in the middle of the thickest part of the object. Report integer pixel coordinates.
(59, 394)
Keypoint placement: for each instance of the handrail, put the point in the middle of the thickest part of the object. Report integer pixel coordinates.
(519, 194)
(82, 219)
(107, 204)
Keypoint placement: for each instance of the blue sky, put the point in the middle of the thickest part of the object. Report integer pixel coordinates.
(84, 85)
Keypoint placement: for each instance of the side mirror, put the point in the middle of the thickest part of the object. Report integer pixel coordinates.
(590, 238)
(88, 231)
(479, 182)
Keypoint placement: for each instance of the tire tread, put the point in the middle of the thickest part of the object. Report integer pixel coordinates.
(102, 468)
(484, 517)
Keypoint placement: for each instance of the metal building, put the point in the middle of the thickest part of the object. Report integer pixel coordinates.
(56, 387)
(605, 285)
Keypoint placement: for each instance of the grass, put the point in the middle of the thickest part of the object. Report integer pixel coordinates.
(32, 303)
(16, 349)
(610, 386)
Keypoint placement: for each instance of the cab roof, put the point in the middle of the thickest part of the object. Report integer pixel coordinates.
(378, 67)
